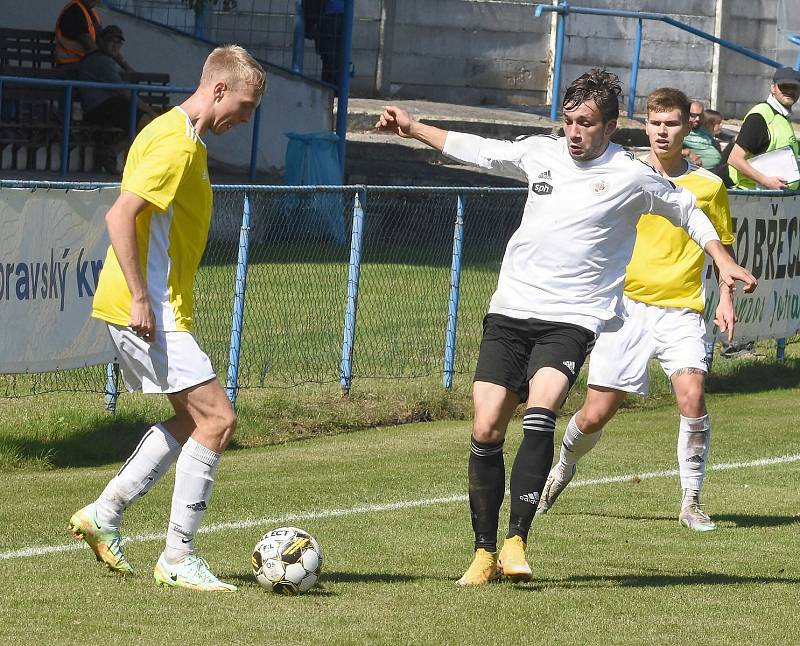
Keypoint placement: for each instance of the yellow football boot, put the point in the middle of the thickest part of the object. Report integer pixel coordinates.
(512, 563)
(483, 569)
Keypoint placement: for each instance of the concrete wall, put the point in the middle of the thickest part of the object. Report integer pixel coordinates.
(481, 52)
(448, 50)
(743, 81)
(290, 104)
(669, 56)
(473, 52)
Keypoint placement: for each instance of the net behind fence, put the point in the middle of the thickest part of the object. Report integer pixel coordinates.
(299, 272)
(266, 28)
(296, 287)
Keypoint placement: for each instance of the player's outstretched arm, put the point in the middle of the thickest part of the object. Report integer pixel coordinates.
(725, 315)
(121, 223)
(397, 120)
(729, 271)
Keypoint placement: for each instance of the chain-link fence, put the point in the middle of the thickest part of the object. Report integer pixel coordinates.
(266, 28)
(324, 303)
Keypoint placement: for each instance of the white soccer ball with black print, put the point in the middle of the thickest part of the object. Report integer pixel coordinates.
(287, 560)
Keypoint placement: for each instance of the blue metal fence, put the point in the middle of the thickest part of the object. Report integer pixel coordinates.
(281, 299)
(175, 14)
(563, 9)
(135, 88)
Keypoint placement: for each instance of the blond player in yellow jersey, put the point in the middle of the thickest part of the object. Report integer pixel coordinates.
(663, 303)
(158, 228)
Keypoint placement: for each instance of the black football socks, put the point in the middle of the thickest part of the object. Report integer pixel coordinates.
(487, 480)
(531, 466)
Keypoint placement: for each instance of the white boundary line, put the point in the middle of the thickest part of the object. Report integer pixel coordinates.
(377, 508)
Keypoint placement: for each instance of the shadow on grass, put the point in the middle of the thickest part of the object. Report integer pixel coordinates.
(368, 577)
(742, 520)
(739, 520)
(638, 517)
(751, 376)
(103, 441)
(247, 581)
(667, 580)
(653, 580)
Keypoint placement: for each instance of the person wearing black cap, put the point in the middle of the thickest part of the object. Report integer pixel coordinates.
(766, 127)
(107, 106)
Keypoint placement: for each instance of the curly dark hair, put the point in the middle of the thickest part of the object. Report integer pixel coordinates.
(598, 85)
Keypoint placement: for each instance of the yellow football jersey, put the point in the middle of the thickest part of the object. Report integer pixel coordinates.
(667, 265)
(168, 166)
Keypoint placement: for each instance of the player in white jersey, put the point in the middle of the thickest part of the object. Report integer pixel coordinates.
(664, 301)
(560, 284)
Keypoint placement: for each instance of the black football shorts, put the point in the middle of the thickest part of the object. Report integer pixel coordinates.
(513, 350)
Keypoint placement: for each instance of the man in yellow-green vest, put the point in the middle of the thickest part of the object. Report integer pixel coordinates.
(766, 127)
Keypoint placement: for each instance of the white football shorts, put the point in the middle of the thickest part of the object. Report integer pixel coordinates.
(171, 363)
(676, 337)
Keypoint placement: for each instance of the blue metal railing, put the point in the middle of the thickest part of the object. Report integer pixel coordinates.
(564, 9)
(298, 44)
(135, 89)
(455, 295)
(298, 51)
(458, 197)
(795, 40)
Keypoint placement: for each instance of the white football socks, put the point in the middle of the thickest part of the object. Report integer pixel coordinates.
(194, 480)
(151, 459)
(575, 445)
(694, 438)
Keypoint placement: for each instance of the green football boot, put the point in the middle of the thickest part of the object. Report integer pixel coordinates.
(106, 542)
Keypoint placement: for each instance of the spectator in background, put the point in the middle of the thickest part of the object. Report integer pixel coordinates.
(766, 127)
(324, 24)
(699, 145)
(109, 107)
(713, 123)
(76, 32)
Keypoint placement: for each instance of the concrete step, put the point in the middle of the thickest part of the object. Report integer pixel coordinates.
(383, 158)
(494, 122)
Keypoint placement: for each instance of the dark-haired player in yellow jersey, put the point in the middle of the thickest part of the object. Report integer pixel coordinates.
(158, 228)
(664, 302)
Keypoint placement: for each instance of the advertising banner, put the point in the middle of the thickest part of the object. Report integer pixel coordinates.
(767, 233)
(52, 246)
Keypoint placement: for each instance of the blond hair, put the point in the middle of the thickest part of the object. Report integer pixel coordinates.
(233, 64)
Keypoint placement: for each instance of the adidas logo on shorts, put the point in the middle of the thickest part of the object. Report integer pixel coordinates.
(570, 365)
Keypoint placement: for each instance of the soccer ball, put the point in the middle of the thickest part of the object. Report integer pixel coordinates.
(287, 560)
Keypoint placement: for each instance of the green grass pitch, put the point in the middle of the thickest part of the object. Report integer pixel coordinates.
(611, 563)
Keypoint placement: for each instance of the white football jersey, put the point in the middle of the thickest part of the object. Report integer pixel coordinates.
(566, 261)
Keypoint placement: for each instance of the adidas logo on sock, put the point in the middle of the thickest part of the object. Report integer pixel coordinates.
(545, 175)
(697, 459)
(197, 506)
(532, 498)
(570, 365)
